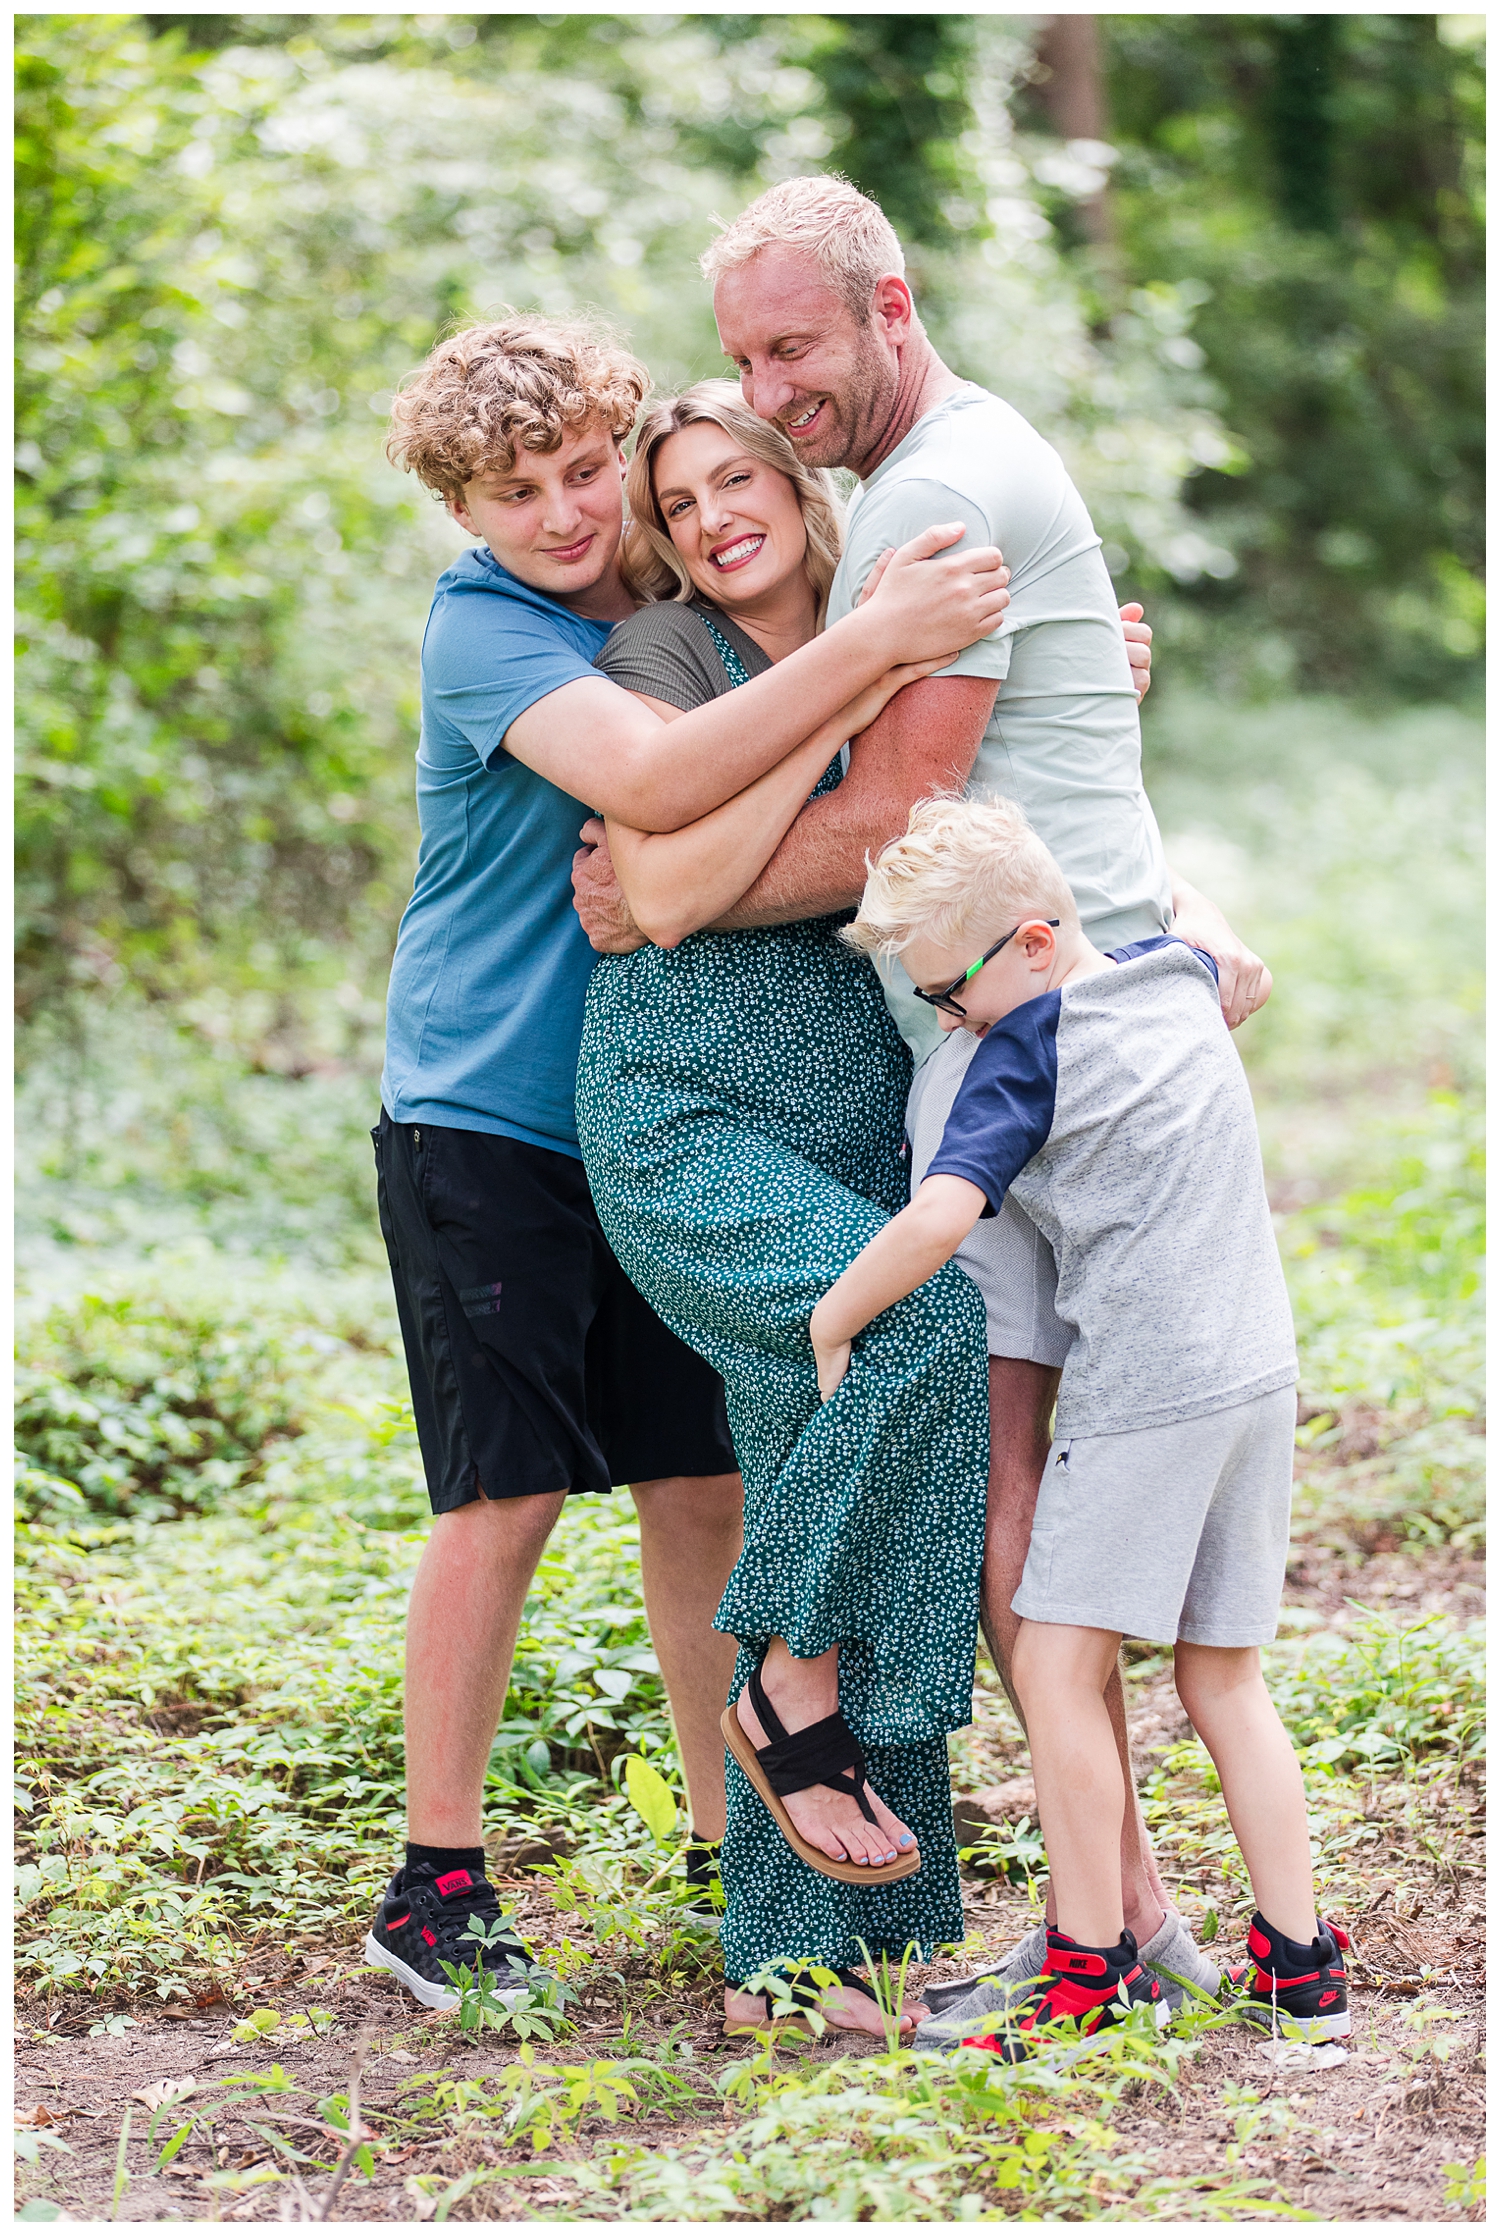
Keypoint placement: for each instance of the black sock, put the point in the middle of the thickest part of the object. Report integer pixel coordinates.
(1122, 1955)
(435, 1863)
(701, 1840)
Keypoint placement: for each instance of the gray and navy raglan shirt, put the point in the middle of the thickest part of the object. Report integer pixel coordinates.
(1116, 1112)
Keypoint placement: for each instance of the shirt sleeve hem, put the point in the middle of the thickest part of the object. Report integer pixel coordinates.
(956, 1170)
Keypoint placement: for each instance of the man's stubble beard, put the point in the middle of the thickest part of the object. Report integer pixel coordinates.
(863, 409)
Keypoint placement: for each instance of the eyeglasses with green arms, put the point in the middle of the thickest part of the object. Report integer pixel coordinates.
(945, 1000)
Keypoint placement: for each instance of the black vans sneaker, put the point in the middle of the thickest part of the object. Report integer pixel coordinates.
(704, 1885)
(423, 1923)
(1293, 1988)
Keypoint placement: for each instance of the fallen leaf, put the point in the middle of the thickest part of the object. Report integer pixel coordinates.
(1304, 2056)
(157, 2093)
(39, 2117)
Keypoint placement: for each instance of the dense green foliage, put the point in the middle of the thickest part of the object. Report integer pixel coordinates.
(236, 236)
(1316, 182)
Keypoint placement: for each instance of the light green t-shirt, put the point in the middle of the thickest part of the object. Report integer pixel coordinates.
(1064, 739)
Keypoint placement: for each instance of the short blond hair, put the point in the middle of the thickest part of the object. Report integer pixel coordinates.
(649, 560)
(513, 383)
(849, 237)
(965, 871)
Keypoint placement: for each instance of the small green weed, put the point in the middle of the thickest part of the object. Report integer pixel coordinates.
(1465, 2186)
(541, 2010)
(1012, 1851)
(913, 2137)
(1383, 1694)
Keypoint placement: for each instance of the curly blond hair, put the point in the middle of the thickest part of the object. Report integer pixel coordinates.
(649, 560)
(963, 872)
(514, 383)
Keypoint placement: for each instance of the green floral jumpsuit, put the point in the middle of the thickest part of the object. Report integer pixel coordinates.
(740, 1108)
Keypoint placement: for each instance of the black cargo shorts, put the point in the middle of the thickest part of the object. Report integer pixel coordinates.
(535, 1365)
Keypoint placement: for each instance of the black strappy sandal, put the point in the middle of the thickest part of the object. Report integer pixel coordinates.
(824, 1754)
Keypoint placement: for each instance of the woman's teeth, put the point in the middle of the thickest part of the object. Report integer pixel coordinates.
(746, 548)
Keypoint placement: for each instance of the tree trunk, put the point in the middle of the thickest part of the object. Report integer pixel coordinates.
(1073, 95)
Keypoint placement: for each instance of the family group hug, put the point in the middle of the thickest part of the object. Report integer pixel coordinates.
(809, 1100)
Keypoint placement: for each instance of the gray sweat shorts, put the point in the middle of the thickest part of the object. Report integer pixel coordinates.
(1008, 1259)
(1168, 1533)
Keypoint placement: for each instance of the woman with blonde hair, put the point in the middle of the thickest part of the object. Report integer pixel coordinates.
(740, 1108)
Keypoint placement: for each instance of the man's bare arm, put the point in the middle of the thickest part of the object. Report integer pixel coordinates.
(924, 742)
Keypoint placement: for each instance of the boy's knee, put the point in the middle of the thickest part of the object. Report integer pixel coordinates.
(1027, 1653)
(1207, 1673)
(498, 1528)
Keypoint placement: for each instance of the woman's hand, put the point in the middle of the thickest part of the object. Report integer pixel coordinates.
(602, 908)
(1244, 981)
(933, 602)
(1137, 648)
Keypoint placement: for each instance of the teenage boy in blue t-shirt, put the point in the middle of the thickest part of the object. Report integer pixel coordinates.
(536, 1369)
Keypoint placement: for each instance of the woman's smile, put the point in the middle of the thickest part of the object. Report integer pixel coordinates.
(739, 553)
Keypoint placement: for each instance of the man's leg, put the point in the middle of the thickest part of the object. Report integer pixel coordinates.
(461, 1626)
(1022, 1395)
(692, 1529)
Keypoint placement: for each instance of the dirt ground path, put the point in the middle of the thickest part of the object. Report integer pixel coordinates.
(1368, 2139)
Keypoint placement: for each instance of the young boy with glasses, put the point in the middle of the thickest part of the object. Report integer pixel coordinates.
(1105, 1097)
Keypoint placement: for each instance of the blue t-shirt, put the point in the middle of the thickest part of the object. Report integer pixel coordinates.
(485, 1011)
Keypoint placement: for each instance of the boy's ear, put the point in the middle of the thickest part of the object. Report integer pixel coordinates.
(1037, 942)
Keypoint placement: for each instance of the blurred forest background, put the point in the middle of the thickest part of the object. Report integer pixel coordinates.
(1230, 264)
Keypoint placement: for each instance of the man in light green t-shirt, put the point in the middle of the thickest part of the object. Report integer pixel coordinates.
(1063, 736)
(814, 310)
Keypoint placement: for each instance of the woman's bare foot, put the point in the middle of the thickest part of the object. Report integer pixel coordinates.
(802, 1693)
(846, 2010)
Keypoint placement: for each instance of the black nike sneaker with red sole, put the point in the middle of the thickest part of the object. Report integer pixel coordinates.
(423, 1923)
(1297, 1989)
(1093, 1987)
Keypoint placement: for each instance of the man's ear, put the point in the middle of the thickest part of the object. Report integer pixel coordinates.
(459, 511)
(892, 307)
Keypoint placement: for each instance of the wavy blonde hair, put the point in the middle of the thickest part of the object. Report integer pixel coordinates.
(649, 560)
